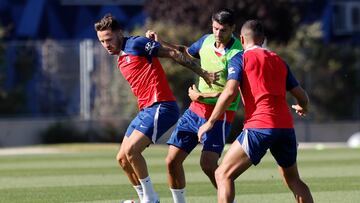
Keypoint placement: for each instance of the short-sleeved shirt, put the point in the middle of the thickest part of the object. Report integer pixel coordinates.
(201, 109)
(140, 66)
(264, 79)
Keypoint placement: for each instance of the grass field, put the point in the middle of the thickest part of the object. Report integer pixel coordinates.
(89, 173)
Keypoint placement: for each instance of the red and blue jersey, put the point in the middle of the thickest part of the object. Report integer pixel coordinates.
(140, 66)
(264, 79)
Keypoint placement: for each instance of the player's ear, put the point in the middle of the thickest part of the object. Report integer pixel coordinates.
(242, 40)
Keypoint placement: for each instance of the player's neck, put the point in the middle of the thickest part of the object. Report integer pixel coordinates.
(250, 45)
(222, 45)
(121, 40)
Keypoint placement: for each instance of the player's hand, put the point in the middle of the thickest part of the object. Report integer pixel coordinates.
(207, 78)
(301, 111)
(194, 93)
(203, 129)
(211, 77)
(152, 35)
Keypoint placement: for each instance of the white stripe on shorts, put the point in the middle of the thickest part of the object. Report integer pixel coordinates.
(223, 129)
(156, 118)
(245, 143)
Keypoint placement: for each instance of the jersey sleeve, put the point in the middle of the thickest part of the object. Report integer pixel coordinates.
(194, 49)
(142, 46)
(235, 67)
(291, 81)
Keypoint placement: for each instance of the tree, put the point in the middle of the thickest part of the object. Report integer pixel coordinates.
(280, 17)
(329, 72)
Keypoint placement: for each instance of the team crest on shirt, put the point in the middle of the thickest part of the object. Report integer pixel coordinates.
(149, 47)
(127, 59)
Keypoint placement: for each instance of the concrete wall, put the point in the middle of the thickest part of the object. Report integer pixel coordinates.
(22, 132)
(326, 132)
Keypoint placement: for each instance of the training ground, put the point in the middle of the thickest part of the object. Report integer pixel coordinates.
(89, 173)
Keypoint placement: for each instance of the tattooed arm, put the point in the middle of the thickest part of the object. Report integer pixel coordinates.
(154, 36)
(179, 54)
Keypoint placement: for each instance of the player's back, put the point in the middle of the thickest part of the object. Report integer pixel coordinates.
(264, 90)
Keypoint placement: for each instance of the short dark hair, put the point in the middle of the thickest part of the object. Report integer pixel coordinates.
(224, 17)
(108, 22)
(256, 28)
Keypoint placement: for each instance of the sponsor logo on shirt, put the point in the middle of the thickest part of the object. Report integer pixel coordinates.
(231, 70)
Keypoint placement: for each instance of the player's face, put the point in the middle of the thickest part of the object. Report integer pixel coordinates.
(110, 40)
(222, 33)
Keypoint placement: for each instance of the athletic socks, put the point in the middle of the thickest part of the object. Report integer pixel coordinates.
(139, 191)
(149, 195)
(178, 195)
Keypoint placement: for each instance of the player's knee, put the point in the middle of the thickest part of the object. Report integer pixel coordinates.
(208, 165)
(208, 168)
(131, 152)
(219, 175)
(170, 162)
(122, 160)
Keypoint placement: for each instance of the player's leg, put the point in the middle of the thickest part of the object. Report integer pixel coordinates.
(284, 151)
(175, 169)
(213, 145)
(235, 162)
(209, 163)
(249, 148)
(152, 123)
(137, 144)
(292, 179)
(126, 166)
(175, 173)
(182, 141)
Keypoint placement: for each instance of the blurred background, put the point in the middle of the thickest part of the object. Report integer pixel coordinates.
(58, 85)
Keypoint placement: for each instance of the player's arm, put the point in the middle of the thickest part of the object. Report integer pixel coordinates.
(189, 63)
(292, 85)
(226, 97)
(154, 36)
(196, 95)
(301, 108)
(179, 53)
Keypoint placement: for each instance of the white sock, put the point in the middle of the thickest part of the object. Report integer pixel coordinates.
(139, 191)
(149, 194)
(178, 195)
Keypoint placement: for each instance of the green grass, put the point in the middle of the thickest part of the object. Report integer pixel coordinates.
(89, 173)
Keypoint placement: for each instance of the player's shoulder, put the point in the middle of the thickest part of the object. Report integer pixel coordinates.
(203, 38)
(240, 53)
(139, 45)
(137, 40)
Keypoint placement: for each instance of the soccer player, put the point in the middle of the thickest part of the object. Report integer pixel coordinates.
(215, 51)
(138, 62)
(264, 79)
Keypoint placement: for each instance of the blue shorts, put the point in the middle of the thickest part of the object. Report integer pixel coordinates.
(185, 134)
(155, 120)
(281, 142)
